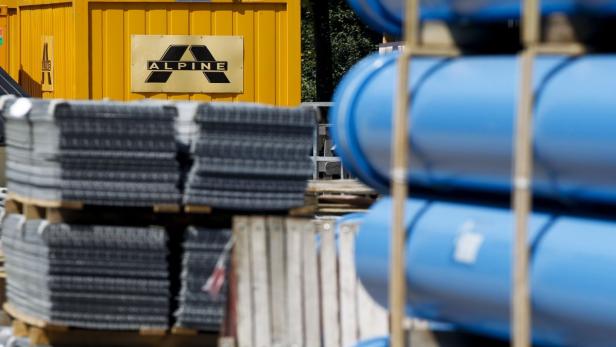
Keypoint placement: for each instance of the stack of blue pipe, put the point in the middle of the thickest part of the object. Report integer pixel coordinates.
(387, 16)
(461, 131)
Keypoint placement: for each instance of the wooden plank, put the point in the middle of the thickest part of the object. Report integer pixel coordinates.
(294, 283)
(312, 312)
(184, 331)
(260, 283)
(373, 319)
(19, 328)
(54, 206)
(12, 206)
(522, 205)
(33, 212)
(198, 209)
(339, 186)
(167, 208)
(523, 171)
(345, 199)
(40, 324)
(304, 211)
(45, 203)
(275, 226)
(329, 285)
(339, 211)
(348, 284)
(244, 290)
(100, 338)
(399, 188)
(561, 49)
(152, 332)
(29, 320)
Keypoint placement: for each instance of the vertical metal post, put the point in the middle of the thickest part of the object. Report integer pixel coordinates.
(315, 152)
(522, 183)
(400, 145)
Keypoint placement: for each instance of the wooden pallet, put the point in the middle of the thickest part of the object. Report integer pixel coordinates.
(60, 211)
(330, 196)
(338, 197)
(176, 330)
(198, 209)
(353, 187)
(302, 211)
(44, 333)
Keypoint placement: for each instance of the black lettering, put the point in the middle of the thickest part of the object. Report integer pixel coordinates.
(46, 64)
(170, 61)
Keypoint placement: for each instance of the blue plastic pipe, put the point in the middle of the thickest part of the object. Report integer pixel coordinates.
(459, 270)
(463, 113)
(388, 15)
(376, 342)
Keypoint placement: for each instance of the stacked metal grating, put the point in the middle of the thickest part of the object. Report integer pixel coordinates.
(94, 152)
(98, 277)
(198, 309)
(251, 157)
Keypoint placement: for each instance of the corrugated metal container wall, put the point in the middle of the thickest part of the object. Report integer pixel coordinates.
(92, 44)
(9, 50)
(12, 43)
(4, 27)
(55, 20)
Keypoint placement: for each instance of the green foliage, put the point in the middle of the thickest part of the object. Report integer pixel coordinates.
(351, 40)
(309, 85)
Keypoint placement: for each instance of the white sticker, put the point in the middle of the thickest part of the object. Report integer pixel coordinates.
(20, 108)
(468, 244)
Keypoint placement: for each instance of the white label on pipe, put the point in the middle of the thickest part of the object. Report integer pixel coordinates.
(468, 244)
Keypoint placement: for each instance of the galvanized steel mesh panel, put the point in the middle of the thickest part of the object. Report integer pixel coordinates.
(89, 276)
(96, 152)
(202, 250)
(250, 157)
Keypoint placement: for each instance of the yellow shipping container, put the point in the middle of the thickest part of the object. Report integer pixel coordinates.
(96, 49)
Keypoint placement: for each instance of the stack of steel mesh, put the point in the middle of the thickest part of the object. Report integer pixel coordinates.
(199, 309)
(100, 277)
(102, 153)
(251, 157)
(186, 128)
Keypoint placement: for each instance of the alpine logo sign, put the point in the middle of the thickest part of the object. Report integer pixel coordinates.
(162, 69)
(187, 64)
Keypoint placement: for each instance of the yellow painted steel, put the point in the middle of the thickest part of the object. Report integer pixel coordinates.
(9, 51)
(92, 44)
(4, 27)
